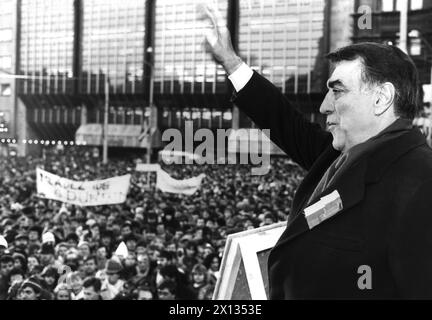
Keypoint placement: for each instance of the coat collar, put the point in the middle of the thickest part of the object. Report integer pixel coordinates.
(366, 170)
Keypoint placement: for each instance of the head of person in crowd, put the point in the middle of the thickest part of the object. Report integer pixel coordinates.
(6, 265)
(50, 276)
(72, 239)
(141, 247)
(21, 242)
(107, 238)
(199, 275)
(16, 275)
(30, 290)
(84, 249)
(126, 229)
(113, 269)
(62, 292)
(47, 254)
(165, 258)
(92, 287)
(143, 263)
(212, 262)
(130, 241)
(145, 293)
(167, 290)
(90, 266)
(32, 262)
(20, 261)
(130, 261)
(61, 250)
(75, 281)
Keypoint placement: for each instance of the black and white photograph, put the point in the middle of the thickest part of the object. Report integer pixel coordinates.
(234, 151)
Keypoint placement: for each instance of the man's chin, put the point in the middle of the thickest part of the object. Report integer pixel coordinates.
(337, 145)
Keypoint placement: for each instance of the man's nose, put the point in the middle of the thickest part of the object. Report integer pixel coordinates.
(327, 106)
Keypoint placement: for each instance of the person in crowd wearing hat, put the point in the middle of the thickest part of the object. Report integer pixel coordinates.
(47, 255)
(30, 290)
(92, 288)
(113, 285)
(21, 243)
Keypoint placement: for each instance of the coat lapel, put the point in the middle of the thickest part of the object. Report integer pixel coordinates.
(351, 185)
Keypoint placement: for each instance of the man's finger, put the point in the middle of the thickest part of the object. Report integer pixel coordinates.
(203, 13)
(211, 37)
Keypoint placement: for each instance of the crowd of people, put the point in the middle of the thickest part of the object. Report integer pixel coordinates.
(173, 243)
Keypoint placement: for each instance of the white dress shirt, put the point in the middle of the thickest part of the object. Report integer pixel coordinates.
(241, 76)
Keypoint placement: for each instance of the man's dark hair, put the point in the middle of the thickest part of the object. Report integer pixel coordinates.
(92, 282)
(385, 63)
(170, 285)
(6, 259)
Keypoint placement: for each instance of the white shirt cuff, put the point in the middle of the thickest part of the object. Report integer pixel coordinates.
(241, 76)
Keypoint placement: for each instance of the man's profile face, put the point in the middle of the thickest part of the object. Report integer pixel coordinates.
(349, 106)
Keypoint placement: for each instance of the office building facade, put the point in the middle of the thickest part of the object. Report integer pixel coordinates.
(75, 55)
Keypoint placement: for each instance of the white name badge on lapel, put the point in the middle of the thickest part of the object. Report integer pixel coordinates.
(325, 208)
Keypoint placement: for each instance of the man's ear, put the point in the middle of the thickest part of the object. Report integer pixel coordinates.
(384, 98)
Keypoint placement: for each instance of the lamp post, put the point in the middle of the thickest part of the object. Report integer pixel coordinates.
(152, 123)
(105, 124)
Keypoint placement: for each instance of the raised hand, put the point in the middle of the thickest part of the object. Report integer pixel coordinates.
(217, 38)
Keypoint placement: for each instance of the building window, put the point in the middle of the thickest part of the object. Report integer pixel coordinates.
(6, 62)
(387, 5)
(395, 5)
(5, 90)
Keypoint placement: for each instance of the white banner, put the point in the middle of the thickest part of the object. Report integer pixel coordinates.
(82, 193)
(188, 186)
